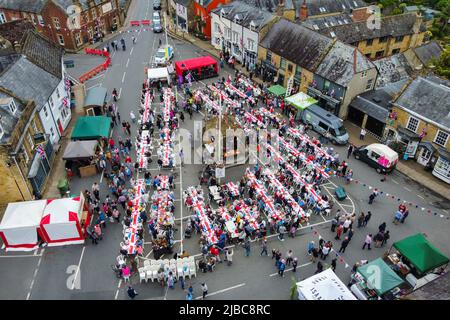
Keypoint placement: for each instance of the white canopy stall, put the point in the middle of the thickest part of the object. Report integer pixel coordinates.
(62, 222)
(20, 225)
(162, 74)
(323, 286)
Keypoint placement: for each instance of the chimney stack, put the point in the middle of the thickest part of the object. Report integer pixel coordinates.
(17, 46)
(280, 8)
(361, 14)
(303, 11)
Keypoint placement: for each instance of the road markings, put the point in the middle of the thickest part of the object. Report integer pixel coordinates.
(22, 256)
(117, 293)
(421, 197)
(123, 77)
(181, 197)
(222, 291)
(78, 268)
(120, 92)
(128, 61)
(395, 181)
(131, 51)
(407, 189)
(35, 273)
(301, 266)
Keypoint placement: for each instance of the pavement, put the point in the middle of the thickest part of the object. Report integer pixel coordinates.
(83, 271)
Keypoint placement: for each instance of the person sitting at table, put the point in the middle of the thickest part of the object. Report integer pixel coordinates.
(203, 266)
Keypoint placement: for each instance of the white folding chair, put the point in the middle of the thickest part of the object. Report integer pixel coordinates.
(153, 262)
(147, 263)
(192, 270)
(142, 275)
(166, 261)
(172, 261)
(180, 271)
(191, 259)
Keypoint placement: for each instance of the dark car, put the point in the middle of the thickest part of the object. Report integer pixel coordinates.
(157, 28)
(156, 4)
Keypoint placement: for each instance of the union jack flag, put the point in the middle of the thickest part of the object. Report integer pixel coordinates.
(67, 83)
(40, 150)
(65, 102)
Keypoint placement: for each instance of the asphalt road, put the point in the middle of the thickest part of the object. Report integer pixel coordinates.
(83, 272)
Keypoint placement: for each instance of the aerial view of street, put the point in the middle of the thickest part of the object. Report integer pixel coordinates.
(224, 150)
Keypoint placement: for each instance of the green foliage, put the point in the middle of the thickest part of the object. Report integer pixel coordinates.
(442, 65)
(293, 290)
(397, 11)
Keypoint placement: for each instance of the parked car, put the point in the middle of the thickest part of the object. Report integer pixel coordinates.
(326, 124)
(156, 17)
(157, 27)
(160, 56)
(156, 4)
(378, 156)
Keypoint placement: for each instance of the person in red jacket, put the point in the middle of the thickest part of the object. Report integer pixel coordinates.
(339, 230)
(111, 143)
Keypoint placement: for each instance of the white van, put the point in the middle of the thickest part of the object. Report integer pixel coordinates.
(378, 156)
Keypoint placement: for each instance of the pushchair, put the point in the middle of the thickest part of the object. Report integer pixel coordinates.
(188, 232)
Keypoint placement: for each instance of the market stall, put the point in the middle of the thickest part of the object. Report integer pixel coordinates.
(158, 74)
(376, 280)
(93, 103)
(277, 90)
(301, 101)
(19, 229)
(79, 155)
(418, 255)
(64, 221)
(91, 128)
(323, 286)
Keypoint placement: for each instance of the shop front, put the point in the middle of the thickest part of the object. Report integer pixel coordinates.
(442, 167)
(269, 71)
(249, 58)
(410, 139)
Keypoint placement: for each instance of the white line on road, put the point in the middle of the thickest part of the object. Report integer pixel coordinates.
(221, 291)
(117, 293)
(120, 92)
(131, 51)
(120, 282)
(94, 86)
(395, 181)
(123, 77)
(22, 256)
(128, 61)
(78, 269)
(35, 274)
(421, 197)
(301, 266)
(407, 189)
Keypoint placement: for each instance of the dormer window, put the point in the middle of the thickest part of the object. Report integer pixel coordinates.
(12, 107)
(222, 13)
(252, 25)
(237, 19)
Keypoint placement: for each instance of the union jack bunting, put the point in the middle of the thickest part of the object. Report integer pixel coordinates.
(67, 84)
(41, 151)
(65, 102)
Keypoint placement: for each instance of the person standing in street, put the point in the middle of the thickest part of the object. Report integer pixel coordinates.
(344, 245)
(319, 267)
(362, 134)
(334, 224)
(310, 247)
(339, 230)
(281, 231)
(314, 255)
(131, 292)
(367, 242)
(372, 197)
(229, 256)
(264, 248)
(350, 150)
(289, 257)
(282, 267)
(404, 216)
(385, 238)
(181, 157)
(132, 116)
(361, 219)
(128, 127)
(325, 252)
(204, 287)
(247, 247)
(346, 225)
(350, 234)
(367, 218)
(294, 264)
(333, 264)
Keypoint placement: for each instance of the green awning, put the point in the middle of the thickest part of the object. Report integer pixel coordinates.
(379, 276)
(95, 97)
(422, 254)
(277, 90)
(301, 100)
(91, 128)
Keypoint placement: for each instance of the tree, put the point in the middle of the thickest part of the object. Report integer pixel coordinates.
(442, 65)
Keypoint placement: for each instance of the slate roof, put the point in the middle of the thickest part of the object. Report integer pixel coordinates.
(339, 66)
(438, 289)
(29, 82)
(270, 5)
(14, 31)
(393, 26)
(319, 23)
(246, 12)
(64, 4)
(330, 6)
(33, 6)
(8, 120)
(429, 99)
(296, 43)
(428, 51)
(392, 69)
(184, 3)
(43, 52)
(377, 103)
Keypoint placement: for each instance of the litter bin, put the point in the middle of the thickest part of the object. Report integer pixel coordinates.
(63, 186)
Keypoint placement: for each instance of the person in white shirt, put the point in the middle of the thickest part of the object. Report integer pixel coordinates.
(362, 134)
(347, 224)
